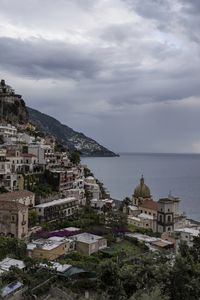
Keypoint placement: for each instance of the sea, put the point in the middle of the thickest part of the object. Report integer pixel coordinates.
(175, 174)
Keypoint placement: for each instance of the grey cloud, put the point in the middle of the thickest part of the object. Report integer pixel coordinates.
(111, 75)
(192, 7)
(41, 58)
(119, 32)
(154, 9)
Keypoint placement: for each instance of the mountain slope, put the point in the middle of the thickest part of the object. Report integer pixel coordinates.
(67, 136)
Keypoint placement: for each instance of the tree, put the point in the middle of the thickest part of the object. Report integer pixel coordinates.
(75, 157)
(154, 294)
(110, 281)
(116, 220)
(32, 218)
(12, 246)
(125, 203)
(184, 277)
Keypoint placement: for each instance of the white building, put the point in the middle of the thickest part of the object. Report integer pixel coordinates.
(8, 130)
(57, 209)
(8, 263)
(186, 235)
(87, 243)
(5, 165)
(93, 188)
(39, 152)
(78, 193)
(100, 203)
(144, 221)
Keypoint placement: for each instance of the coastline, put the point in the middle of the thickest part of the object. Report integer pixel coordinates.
(178, 173)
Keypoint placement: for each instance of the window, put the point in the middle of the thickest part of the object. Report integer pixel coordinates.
(169, 218)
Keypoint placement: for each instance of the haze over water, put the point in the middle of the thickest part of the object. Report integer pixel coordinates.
(163, 173)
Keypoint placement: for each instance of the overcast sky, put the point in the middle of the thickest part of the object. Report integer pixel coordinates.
(124, 72)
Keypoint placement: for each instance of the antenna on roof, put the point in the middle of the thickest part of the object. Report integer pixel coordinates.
(170, 195)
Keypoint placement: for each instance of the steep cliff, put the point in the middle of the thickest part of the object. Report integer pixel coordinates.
(12, 107)
(13, 110)
(67, 136)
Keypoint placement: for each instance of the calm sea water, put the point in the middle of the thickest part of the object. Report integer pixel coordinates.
(163, 173)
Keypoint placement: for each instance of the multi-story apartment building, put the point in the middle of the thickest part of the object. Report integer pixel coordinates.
(38, 151)
(13, 219)
(21, 162)
(8, 180)
(78, 193)
(57, 209)
(93, 188)
(5, 165)
(62, 179)
(8, 130)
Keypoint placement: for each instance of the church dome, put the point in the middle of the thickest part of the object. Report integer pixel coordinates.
(142, 190)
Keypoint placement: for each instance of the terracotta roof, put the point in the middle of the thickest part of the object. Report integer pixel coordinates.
(149, 204)
(12, 196)
(11, 205)
(10, 154)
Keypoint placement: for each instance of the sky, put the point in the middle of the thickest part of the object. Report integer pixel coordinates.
(124, 72)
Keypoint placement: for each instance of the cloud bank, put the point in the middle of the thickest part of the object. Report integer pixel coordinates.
(125, 72)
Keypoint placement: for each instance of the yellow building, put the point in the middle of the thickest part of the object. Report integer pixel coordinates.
(87, 243)
(49, 249)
